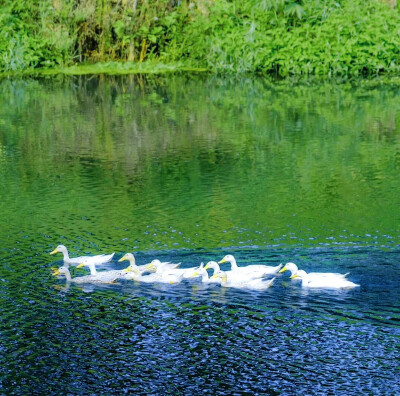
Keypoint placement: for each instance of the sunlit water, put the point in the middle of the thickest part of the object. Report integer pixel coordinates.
(188, 169)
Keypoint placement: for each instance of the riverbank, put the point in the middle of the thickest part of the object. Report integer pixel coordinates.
(108, 68)
(277, 37)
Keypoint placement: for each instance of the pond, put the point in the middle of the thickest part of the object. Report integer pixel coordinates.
(188, 168)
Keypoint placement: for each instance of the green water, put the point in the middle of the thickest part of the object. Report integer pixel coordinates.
(194, 162)
(188, 169)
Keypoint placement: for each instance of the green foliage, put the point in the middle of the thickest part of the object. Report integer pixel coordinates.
(283, 37)
(297, 38)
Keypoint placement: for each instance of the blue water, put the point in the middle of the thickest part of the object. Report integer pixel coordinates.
(188, 169)
(192, 338)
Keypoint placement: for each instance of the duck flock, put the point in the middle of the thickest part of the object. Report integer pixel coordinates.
(256, 277)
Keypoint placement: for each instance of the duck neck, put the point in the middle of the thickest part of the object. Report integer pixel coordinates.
(92, 268)
(204, 276)
(67, 274)
(132, 262)
(233, 263)
(66, 256)
(215, 267)
(292, 267)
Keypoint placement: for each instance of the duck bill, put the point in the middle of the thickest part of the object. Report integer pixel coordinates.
(294, 276)
(222, 261)
(80, 265)
(130, 269)
(283, 270)
(122, 259)
(54, 251)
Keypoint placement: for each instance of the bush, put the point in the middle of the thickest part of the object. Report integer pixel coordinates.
(283, 37)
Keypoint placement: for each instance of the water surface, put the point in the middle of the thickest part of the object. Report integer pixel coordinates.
(190, 168)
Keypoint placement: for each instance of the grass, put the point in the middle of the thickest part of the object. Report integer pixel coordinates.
(109, 68)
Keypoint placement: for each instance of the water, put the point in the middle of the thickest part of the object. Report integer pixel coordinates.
(190, 168)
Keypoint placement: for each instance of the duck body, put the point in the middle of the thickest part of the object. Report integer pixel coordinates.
(254, 271)
(166, 268)
(157, 265)
(160, 278)
(253, 284)
(85, 279)
(98, 259)
(324, 282)
(131, 272)
(292, 267)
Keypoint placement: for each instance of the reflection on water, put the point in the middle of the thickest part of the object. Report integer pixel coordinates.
(183, 162)
(187, 168)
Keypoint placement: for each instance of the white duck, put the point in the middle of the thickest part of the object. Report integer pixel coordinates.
(161, 268)
(98, 259)
(292, 267)
(262, 270)
(323, 282)
(156, 264)
(202, 271)
(131, 272)
(106, 276)
(231, 275)
(162, 275)
(132, 263)
(84, 279)
(253, 284)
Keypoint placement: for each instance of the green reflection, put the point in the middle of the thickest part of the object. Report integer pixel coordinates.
(194, 162)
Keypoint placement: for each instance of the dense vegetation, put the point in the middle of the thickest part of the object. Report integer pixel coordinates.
(284, 37)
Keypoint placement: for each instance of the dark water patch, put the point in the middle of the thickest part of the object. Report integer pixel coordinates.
(188, 338)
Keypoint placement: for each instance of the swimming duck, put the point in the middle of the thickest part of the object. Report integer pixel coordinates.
(323, 282)
(231, 275)
(84, 279)
(161, 274)
(262, 270)
(132, 263)
(202, 271)
(166, 268)
(156, 264)
(131, 272)
(98, 259)
(254, 284)
(292, 267)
